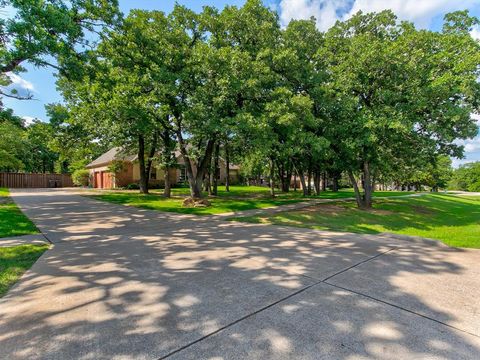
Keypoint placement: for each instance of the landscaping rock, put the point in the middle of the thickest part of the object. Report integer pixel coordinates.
(188, 202)
(191, 202)
(203, 202)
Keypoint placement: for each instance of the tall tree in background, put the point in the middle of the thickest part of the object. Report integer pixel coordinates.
(75, 145)
(116, 99)
(466, 177)
(49, 33)
(371, 97)
(304, 71)
(404, 92)
(12, 147)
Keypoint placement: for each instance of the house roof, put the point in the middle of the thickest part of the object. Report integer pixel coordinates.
(116, 153)
(112, 154)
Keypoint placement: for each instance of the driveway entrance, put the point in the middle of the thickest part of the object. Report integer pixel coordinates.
(126, 283)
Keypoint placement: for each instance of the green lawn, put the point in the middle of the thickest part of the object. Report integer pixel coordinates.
(239, 198)
(454, 220)
(14, 261)
(262, 191)
(174, 204)
(12, 220)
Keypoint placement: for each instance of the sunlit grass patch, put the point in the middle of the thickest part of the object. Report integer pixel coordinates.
(14, 261)
(454, 220)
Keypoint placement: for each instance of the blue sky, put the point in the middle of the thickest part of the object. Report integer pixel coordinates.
(424, 13)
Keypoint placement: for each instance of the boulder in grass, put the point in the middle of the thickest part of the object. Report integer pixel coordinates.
(188, 202)
(202, 203)
(191, 202)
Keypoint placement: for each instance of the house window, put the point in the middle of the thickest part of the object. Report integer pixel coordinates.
(153, 173)
(183, 174)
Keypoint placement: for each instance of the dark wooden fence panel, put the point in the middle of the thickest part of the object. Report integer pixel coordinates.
(21, 180)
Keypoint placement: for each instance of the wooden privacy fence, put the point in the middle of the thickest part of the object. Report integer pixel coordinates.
(21, 180)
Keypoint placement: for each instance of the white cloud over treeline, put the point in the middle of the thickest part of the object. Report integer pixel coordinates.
(327, 12)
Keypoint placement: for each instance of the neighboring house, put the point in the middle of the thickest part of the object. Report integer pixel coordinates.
(101, 177)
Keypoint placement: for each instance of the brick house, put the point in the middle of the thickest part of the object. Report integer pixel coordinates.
(101, 177)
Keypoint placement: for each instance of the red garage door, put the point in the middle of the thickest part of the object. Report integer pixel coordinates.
(98, 180)
(107, 180)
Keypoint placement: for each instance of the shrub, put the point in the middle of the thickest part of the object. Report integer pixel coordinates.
(180, 185)
(80, 177)
(132, 186)
(156, 186)
(116, 166)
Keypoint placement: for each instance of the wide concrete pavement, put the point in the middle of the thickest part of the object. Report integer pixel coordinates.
(125, 283)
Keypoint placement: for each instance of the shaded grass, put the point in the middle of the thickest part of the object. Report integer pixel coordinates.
(174, 204)
(454, 220)
(12, 221)
(242, 191)
(238, 199)
(14, 261)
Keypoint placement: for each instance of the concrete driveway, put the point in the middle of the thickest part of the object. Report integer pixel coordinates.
(125, 283)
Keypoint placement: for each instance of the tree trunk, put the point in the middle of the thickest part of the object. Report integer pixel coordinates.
(227, 169)
(167, 189)
(281, 176)
(358, 196)
(141, 160)
(195, 179)
(207, 183)
(295, 181)
(367, 185)
(301, 175)
(151, 154)
(216, 169)
(272, 178)
(288, 178)
(168, 159)
(324, 181)
(335, 183)
(316, 182)
(309, 178)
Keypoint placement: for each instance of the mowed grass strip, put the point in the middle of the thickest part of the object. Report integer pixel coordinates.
(14, 261)
(454, 220)
(12, 221)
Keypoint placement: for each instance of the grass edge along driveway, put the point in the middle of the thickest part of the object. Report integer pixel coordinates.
(15, 260)
(454, 220)
(12, 221)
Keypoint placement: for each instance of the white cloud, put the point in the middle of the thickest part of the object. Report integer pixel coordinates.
(421, 12)
(457, 162)
(19, 82)
(29, 120)
(476, 117)
(325, 11)
(476, 33)
(471, 145)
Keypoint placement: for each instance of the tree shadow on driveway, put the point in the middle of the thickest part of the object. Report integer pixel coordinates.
(145, 285)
